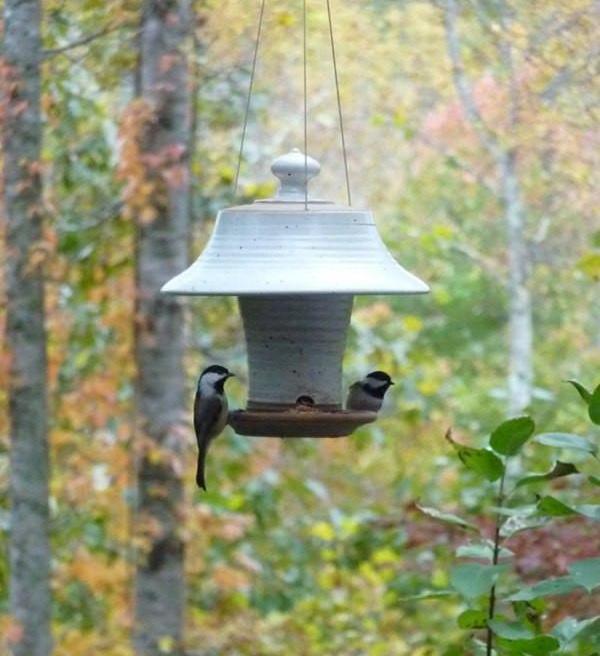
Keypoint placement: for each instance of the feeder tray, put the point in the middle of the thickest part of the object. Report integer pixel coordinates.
(299, 423)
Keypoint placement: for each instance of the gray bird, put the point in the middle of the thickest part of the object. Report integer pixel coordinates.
(368, 393)
(210, 413)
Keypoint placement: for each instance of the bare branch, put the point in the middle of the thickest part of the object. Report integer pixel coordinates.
(486, 264)
(97, 218)
(506, 54)
(463, 86)
(83, 41)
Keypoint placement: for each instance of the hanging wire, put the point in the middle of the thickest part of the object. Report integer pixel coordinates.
(305, 111)
(248, 99)
(339, 102)
(305, 99)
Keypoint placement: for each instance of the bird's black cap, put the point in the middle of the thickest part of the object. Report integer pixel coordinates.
(216, 369)
(380, 375)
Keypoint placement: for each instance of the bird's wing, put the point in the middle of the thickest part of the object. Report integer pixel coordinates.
(207, 411)
(206, 415)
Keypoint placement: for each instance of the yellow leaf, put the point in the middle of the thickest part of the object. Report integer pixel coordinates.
(590, 265)
(166, 644)
(285, 19)
(323, 531)
(385, 556)
(412, 324)
(428, 387)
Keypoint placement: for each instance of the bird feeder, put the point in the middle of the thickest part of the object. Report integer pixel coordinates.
(295, 264)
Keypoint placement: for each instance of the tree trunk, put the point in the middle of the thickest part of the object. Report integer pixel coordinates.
(520, 360)
(520, 366)
(29, 550)
(159, 341)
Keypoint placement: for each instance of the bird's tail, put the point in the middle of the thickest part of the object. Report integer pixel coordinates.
(200, 477)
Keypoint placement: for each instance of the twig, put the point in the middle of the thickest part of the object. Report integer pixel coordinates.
(52, 52)
(495, 557)
(99, 217)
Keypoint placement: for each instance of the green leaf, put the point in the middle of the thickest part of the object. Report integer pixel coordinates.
(594, 406)
(482, 461)
(594, 480)
(448, 518)
(538, 646)
(479, 648)
(566, 441)
(511, 435)
(559, 470)
(547, 588)
(514, 511)
(429, 594)
(591, 511)
(586, 573)
(555, 508)
(519, 523)
(551, 506)
(570, 628)
(590, 632)
(482, 550)
(584, 393)
(510, 630)
(472, 619)
(473, 580)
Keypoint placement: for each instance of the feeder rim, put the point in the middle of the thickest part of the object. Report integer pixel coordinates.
(310, 292)
(278, 205)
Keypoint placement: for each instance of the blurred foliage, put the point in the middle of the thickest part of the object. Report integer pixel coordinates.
(318, 547)
(505, 622)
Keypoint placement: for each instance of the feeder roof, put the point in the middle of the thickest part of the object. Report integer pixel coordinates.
(282, 246)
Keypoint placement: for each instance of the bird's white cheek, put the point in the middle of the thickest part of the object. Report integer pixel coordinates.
(208, 382)
(358, 399)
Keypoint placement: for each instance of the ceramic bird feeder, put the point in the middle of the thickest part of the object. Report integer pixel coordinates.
(295, 264)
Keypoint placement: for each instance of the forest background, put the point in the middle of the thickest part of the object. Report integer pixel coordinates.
(472, 133)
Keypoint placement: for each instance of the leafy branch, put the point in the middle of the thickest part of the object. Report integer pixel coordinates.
(477, 582)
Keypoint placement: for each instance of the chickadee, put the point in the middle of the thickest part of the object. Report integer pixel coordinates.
(368, 393)
(210, 413)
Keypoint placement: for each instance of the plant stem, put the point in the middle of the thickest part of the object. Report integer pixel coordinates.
(495, 557)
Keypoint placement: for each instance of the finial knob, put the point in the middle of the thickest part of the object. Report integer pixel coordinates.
(294, 171)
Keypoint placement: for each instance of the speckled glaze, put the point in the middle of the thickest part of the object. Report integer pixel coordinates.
(279, 246)
(276, 248)
(295, 347)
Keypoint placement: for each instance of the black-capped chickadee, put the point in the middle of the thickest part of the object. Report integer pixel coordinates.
(368, 393)
(210, 412)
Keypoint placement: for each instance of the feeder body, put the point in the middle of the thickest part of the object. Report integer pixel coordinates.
(295, 346)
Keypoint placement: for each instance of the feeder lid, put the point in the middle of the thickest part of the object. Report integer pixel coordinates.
(285, 245)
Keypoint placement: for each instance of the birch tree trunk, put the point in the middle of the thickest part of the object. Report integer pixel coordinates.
(520, 369)
(520, 309)
(161, 253)
(29, 550)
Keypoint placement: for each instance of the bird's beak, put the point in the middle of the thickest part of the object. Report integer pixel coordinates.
(392, 382)
(230, 375)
